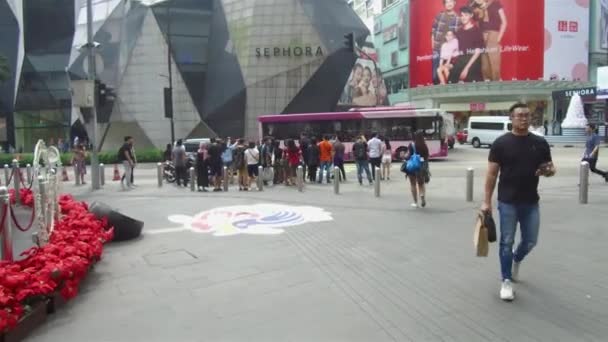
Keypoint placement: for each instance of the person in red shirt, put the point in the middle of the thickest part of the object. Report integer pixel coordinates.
(326, 152)
(294, 157)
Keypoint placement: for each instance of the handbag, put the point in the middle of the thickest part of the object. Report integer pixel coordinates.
(490, 225)
(414, 163)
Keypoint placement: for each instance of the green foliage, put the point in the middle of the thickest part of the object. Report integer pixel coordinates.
(108, 158)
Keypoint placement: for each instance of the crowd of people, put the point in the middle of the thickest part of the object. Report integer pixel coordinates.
(280, 161)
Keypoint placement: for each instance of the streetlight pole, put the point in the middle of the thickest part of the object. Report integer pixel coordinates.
(92, 75)
(169, 66)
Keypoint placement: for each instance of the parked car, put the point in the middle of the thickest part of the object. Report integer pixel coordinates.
(483, 130)
(461, 136)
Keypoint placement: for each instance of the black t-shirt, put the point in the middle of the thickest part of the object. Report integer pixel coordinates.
(121, 152)
(469, 40)
(360, 151)
(519, 157)
(215, 153)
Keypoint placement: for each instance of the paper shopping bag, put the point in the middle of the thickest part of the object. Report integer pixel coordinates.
(480, 237)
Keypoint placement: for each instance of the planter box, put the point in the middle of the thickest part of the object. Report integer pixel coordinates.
(55, 303)
(27, 324)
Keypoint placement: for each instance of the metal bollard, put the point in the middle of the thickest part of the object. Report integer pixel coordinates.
(77, 174)
(102, 174)
(300, 178)
(336, 180)
(43, 236)
(225, 178)
(469, 189)
(7, 174)
(17, 181)
(192, 180)
(28, 172)
(583, 190)
(377, 183)
(7, 230)
(159, 174)
(260, 180)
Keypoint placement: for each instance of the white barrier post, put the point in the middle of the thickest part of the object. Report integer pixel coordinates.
(7, 175)
(7, 230)
(225, 178)
(28, 172)
(260, 180)
(17, 181)
(159, 174)
(102, 174)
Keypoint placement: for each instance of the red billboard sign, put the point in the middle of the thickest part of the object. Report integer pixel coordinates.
(477, 40)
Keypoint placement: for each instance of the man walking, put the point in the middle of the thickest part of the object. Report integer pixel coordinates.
(325, 156)
(360, 154)
(375, 153)
(125, 155)
(520, 157)
(130, 141)
(592, 148)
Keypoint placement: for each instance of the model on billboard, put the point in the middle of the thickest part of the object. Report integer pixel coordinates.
(353, 83)
(363, 94)
(467, 67)
(446, 20)
(449, 53)
(491, 18)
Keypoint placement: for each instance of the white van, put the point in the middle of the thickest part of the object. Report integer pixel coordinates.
(483, 130)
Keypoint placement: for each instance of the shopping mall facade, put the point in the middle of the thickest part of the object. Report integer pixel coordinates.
(543, 63)
(226, 61)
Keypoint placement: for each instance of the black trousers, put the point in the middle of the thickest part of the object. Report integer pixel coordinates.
(181, 175)
(592, 166)
(312, 173)
(375, 163)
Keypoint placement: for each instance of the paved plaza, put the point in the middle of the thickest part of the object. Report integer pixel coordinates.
(315, 266)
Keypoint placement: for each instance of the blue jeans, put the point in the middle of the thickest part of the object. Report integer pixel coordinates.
(528, 217)
(325, 165)
(363, 165)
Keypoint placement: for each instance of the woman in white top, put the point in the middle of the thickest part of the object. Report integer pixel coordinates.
(252, 156)
(387, 159)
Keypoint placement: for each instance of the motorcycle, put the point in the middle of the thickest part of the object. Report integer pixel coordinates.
(170, 174)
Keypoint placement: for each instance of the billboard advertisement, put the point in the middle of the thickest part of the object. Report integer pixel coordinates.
(493, 40)
(566, 40)
(602, 83)
(603, 27)
(365, 86)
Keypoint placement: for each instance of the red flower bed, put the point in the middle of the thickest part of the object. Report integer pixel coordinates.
(27, 197)
(75, 244)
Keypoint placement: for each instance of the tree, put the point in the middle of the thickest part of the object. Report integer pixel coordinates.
(5, 71)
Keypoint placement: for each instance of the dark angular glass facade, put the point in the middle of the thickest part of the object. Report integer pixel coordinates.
(207, 51)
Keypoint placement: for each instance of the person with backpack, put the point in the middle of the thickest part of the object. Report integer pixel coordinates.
(125, 156)
(312, 159)
(240, 165)
(361, 160)
(416, 166)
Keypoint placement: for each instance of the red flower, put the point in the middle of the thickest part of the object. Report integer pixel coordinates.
(76, 242)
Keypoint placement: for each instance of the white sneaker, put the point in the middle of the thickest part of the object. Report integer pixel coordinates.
(506, 291)
(414, 205)
(515, 271)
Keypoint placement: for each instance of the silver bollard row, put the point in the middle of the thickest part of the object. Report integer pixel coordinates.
(300, 178)
(7, 174)
(159, 174)
(336, 180)
(226, 178)
(260, 180)
(16, 181)
(192, 179)
(583, 190)
(377, 183)
(470, 182)
(102, 174)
